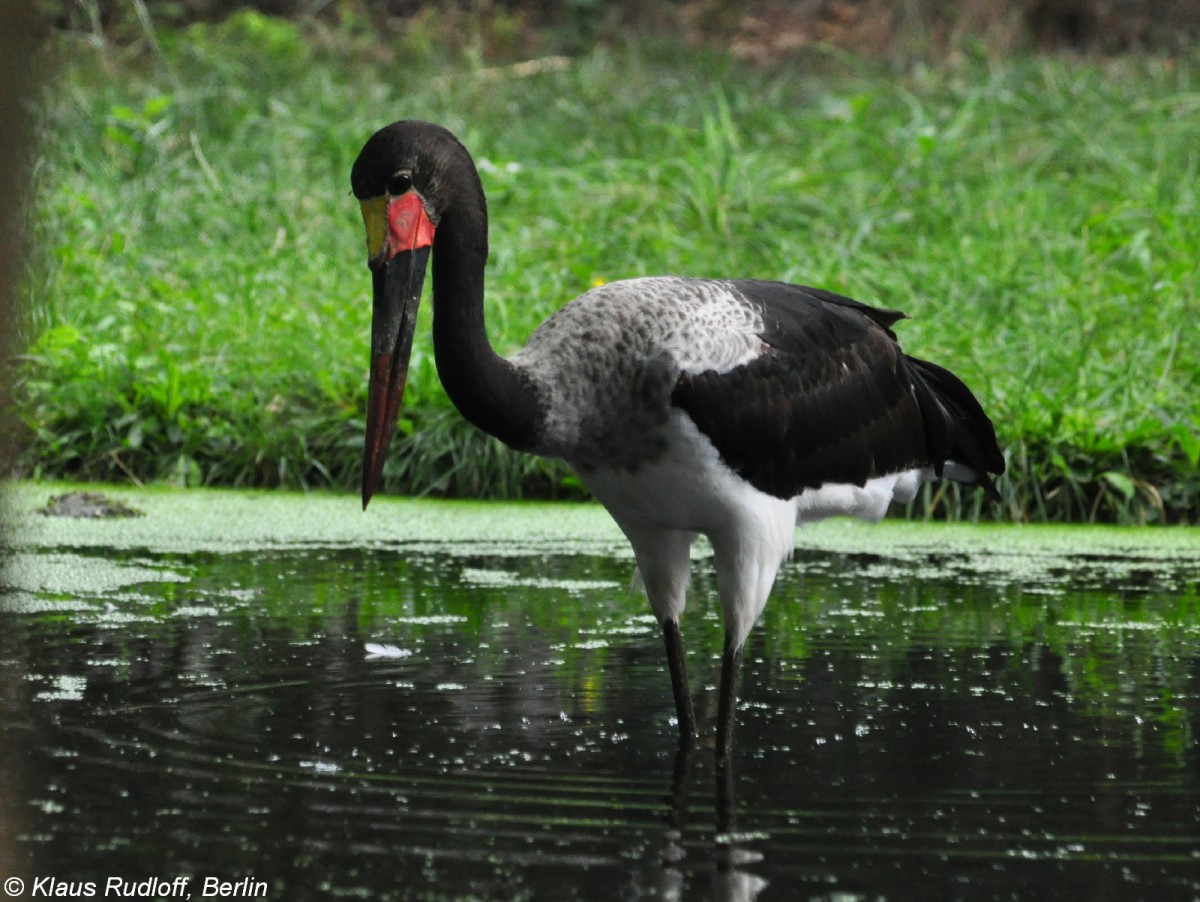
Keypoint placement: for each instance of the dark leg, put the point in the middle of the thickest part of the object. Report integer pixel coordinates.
(679, 679)
(731, 665)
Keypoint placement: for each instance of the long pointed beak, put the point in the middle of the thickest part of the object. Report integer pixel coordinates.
(399, 238)
(397, 296)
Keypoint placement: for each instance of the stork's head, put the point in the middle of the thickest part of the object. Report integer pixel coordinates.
(404, 179)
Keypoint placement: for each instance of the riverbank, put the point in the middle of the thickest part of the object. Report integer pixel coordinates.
(198, 304)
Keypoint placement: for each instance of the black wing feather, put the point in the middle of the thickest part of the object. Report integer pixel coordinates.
(833, 399)
(964, 432)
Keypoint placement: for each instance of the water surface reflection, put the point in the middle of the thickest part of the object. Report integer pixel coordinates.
(920, 726)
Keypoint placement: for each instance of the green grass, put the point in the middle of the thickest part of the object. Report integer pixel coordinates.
(198, 306)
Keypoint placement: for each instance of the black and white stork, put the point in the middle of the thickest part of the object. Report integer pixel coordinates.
(731, 408)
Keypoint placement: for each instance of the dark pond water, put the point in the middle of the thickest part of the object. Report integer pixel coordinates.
(489, 717)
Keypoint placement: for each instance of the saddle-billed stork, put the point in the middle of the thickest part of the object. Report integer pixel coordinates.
(731, 408)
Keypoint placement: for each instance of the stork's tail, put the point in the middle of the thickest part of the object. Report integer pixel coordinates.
(960, 438)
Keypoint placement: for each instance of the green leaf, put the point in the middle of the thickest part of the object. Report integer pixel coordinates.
(1121, 482)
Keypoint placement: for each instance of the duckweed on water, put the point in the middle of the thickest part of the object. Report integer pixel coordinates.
(189, 521)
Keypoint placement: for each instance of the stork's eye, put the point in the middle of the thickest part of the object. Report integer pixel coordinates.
(399, 183)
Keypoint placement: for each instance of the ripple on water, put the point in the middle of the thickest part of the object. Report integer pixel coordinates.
(377, 723)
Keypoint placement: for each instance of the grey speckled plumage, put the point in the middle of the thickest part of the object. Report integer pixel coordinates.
(605, 365)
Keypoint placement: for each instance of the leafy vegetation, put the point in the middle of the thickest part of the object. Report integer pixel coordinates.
(198, 307)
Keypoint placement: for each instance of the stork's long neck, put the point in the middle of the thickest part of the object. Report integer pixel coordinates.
(487, 389)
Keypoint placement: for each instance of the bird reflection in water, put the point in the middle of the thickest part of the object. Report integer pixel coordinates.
(731, 880)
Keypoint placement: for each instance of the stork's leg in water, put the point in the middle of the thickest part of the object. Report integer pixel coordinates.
(679, 680)
(664, 566)
(731, 665)
(748, 552)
